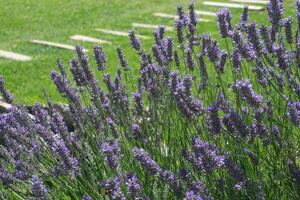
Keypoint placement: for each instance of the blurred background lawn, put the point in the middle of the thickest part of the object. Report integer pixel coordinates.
(57, 20)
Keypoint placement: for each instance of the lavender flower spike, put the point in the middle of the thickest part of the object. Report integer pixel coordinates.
(134, 41)
(224, 22)
(189, 59)
(294, 112)
(146, 161)
(100, 57)
(213, 121)
(275, 12)
(287, 23)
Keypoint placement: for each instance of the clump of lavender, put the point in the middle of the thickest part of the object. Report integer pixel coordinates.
(69, 146)
(204, 156)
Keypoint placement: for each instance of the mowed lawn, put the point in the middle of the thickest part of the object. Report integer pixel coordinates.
(57, 20)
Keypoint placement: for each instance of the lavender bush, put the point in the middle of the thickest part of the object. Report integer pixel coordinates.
(203, 121)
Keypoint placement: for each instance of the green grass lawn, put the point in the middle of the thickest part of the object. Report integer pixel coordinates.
(57, 20)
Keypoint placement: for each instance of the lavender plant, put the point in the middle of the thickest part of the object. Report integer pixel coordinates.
(202, 121)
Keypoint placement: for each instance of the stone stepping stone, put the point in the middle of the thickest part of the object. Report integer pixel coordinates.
(89, 39)
(250, 1)
(232, 5)
(120, 33)
(4, 107)
(165, 15)
(14, 56)
(205, 13)
(53, 44)
(151, 26)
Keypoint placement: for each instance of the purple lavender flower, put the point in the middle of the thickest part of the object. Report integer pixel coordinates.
(170, 45)
(38, 189)
(283, 57)
(192, 15)
(275, 12)
(180, 12)
(112, 126)
(134, 41)
(84, 62)
(182, 94)
(111, 152)
(179, 31)
(77, 72)
(253, 38)
(138, 103)
(159, 54)
(239, 43)
(61, 68)
(287, 23)
(136, 130)
(265, 33)
(176, 59)
(192, 36)
(224, 22)
(213, 121)
(146, 161)
(203, 72)
(244, 18)
(235, 124)
(100, 57)
(113, 188)
(122, 59)
(69, 162)
(133, 185)
(188, 57)
(5, 94)
(294, 112)
(204, 156)
(236, 59)
(244, 88)
(64, 87)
